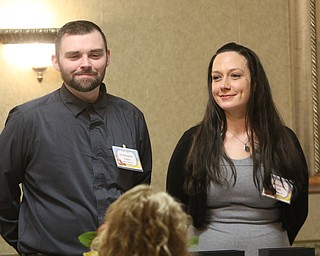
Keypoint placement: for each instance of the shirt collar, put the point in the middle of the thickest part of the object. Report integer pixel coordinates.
(76, 105)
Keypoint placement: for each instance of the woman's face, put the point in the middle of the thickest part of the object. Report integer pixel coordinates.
(231, 82)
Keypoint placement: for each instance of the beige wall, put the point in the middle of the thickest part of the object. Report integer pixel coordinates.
(159, 56)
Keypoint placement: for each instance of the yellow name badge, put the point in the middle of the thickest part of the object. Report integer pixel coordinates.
(127, 158)
(283, 189)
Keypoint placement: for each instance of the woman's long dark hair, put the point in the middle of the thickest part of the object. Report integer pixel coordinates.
(273, 146)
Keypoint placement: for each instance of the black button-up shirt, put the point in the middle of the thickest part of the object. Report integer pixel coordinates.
(60, 149)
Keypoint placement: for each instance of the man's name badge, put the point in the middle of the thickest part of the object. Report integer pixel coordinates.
(283, 189)
(127, 158)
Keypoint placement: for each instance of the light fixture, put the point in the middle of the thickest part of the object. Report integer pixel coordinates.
(32, 35)
(39, 37)
(39, 71)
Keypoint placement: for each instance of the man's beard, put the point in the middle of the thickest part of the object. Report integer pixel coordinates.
(82, 84)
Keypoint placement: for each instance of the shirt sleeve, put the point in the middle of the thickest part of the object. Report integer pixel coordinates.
(295, 214)
(177, 168)
(145, 152)
(11, 144)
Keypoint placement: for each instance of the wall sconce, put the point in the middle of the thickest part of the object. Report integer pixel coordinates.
(39, 71)
(28, 36)
(24, 36)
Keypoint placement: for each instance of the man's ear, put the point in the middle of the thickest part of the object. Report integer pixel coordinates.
(108, 57)
(55, 63)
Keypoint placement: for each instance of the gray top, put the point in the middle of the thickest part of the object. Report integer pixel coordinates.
(240, 217)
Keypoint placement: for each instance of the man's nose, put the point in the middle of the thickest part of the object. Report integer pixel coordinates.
(85, 61)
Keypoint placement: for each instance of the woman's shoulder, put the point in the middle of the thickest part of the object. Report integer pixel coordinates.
(185, 140)
(292, 134)
(190, 132)
(289, 130)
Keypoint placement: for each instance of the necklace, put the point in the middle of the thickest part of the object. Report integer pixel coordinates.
(246, 147)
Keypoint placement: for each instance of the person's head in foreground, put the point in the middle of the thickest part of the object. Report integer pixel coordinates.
(144, 222)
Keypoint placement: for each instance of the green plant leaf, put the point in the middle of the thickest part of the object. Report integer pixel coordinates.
(87, 237)
(193, 241)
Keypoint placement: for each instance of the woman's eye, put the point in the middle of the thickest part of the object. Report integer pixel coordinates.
(216, 78)
(235, 76)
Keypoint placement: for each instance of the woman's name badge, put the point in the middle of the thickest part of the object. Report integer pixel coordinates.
(127, 158)
(283, 189)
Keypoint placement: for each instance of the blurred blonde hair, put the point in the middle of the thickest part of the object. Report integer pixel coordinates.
(144, 222)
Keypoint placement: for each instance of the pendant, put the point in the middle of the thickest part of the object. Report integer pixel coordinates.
(246, 148)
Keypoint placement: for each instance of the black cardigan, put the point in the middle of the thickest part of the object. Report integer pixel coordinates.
(293, 215)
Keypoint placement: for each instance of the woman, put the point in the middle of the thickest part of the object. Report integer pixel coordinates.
(235, 170)
(143, 222)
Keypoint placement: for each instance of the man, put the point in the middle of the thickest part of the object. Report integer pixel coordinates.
(75, 151)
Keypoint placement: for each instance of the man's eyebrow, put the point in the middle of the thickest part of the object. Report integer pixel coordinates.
(97, 50)
(71, 53)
